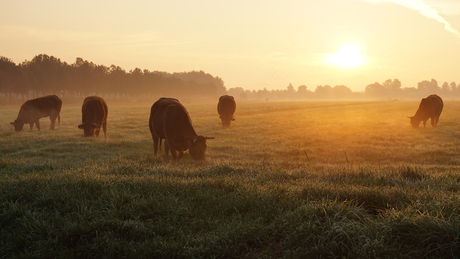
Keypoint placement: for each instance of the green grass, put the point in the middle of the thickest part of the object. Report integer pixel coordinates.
(348, 179)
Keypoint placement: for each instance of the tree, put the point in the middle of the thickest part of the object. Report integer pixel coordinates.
(341, 92)
(375, 90)
(12, 77)
(323, 92)
(290, 89)
(45, 73)
(429, 87)
(388, 89)
(445, 88)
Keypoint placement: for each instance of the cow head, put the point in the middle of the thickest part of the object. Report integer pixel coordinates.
(89, 128)
(197, 147)
(414, 122)
(226, 120)
(18, 125)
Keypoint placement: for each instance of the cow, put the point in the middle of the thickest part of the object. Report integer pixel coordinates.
(226, 108)
(94, 113)
(32, 110)
(158, 108)
(430, 107)
(169, 120)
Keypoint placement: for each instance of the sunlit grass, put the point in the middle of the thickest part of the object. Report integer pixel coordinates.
(287, 179)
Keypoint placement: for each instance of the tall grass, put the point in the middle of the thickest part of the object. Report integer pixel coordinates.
(287, 179)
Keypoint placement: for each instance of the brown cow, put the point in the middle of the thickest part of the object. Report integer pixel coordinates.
(158, 109)
(32, 110)
(430, 108)
(169, 120)
(94, 113)
(226, 108)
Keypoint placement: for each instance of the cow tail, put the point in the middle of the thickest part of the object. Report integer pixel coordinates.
(59, 119)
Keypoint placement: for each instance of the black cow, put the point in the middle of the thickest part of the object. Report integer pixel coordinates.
(226, 108)
(169, 120)
(430, 108)
(94, 113)
(32, 110)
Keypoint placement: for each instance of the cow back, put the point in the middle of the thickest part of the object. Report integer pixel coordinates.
(94, 112)
(176, 122)
(429, 106)
(94, 109)
(226, 106)
(37, 108)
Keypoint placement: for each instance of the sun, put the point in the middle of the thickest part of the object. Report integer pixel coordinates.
(349, 56)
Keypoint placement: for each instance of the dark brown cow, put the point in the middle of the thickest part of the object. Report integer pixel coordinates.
(32, 110)
(430, 108)
(226, 108)
(158, 109)
(94, 113)
(169, 120)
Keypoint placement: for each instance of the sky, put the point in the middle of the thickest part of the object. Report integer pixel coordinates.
(253, 44)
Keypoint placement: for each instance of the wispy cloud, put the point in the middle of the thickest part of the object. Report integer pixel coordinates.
(424, 9)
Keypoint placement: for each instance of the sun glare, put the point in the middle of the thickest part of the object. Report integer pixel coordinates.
(348, 57)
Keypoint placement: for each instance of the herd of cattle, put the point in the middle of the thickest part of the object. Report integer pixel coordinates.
(169, 120)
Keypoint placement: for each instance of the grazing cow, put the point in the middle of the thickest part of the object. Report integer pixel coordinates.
(169, 120)
(226, 108)
(430, 107)
(157, 110)
(93, 115)
(32, 110)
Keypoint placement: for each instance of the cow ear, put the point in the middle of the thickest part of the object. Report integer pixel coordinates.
(410, 117)
(95, 125)
(12, 123)
(233, 119)
(80, 126)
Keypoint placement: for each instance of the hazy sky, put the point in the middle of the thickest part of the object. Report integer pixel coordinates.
(253, 44)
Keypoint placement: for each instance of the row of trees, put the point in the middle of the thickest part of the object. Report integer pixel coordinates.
(390, 89)
(48, 74)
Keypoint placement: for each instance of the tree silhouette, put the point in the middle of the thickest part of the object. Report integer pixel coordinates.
(47, 75)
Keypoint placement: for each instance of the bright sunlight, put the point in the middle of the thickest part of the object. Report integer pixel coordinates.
(348, 57)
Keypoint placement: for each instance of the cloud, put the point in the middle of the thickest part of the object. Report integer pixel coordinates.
(424, 9)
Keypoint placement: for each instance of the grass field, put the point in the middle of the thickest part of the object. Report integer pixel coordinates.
(298, 179)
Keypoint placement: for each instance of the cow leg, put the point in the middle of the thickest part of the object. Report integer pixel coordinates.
(180, 154)
(37, 123)
(104, 127)
(53, 121)
(173, 152)
(166, 150)
(155, 145)
(97, 132)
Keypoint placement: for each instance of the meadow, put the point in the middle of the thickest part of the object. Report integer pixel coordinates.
(288, 179)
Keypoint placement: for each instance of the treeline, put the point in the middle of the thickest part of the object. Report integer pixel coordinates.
(49, 75)
(390, 89)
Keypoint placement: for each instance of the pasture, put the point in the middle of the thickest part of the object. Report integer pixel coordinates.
(288, 179)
